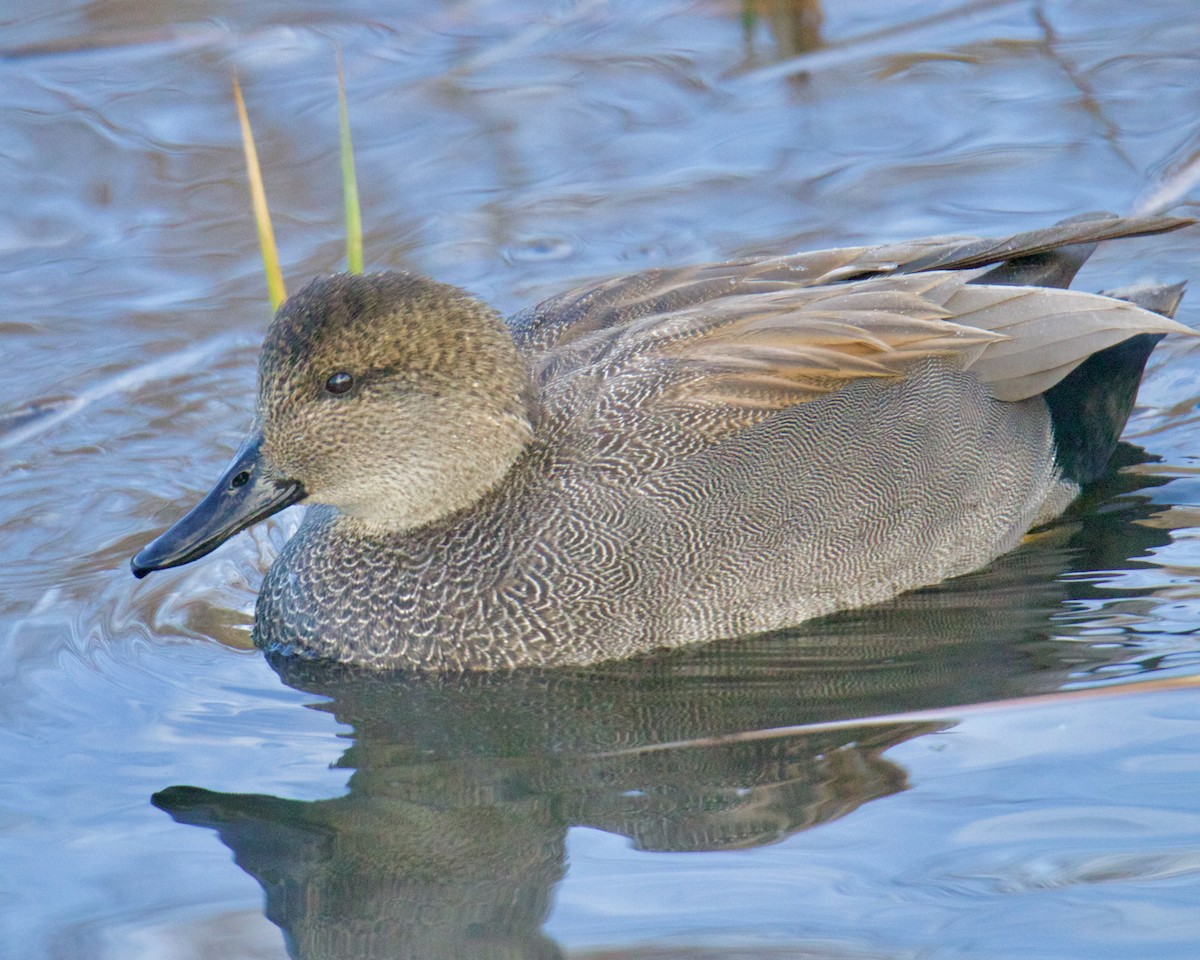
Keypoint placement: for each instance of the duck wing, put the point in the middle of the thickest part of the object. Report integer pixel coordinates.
(763, 352)
(1048, 256)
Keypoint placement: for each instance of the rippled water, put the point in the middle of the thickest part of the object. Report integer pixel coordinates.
(729, 802)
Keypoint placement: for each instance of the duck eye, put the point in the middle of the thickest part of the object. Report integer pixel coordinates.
(339, 383)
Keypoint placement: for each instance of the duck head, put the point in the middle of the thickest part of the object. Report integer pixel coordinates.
(393, 398)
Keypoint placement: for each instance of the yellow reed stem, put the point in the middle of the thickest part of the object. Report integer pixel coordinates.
(354, 244)
(258, 196)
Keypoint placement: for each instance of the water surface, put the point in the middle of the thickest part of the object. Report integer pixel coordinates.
(164, 792)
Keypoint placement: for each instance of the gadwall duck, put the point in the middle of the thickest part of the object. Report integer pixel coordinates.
(671, 457)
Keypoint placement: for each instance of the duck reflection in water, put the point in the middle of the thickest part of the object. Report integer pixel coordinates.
(445, 849)
(451, 838)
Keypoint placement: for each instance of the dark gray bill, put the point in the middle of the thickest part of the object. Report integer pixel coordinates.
(242, 497)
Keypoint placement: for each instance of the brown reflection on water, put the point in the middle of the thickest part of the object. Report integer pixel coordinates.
(451, 838)
(795, 25)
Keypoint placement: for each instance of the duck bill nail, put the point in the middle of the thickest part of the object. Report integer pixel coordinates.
(243, 496)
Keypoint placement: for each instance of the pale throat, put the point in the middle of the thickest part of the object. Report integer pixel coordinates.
(429, 481)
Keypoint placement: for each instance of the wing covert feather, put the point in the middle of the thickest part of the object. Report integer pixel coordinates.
(764, 334)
